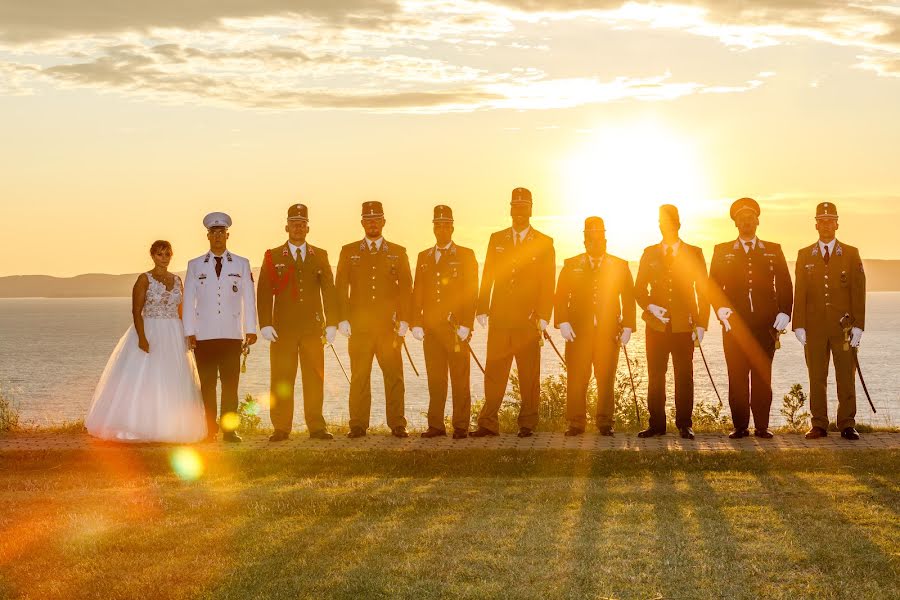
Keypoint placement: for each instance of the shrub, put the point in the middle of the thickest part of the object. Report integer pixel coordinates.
(248, 411)
(791, 406)
(9, 414)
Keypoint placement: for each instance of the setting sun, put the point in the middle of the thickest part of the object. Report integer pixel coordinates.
(624, 173)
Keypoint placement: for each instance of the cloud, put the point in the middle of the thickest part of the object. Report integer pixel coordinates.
(886, 66)
(39, 20)
(412, 64)
(285, 78)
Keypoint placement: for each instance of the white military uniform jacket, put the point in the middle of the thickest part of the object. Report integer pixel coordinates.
(223, 307)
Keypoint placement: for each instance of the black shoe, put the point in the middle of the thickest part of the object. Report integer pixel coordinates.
(850, 433)
(432, 432)
(524, 432)
(606, 430)
(573, 431)
(321, 434)
(763, 433)
(399, 432)
(278, 436)
(356, 432)
(815, 433)
(738, 434)
(460, 434)
(483, 432)
(686, 433)
(231, 437)
(650, 432)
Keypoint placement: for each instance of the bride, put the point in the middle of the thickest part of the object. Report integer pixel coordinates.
(149, 390)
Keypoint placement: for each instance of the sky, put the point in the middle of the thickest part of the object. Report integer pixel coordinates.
(126, 122)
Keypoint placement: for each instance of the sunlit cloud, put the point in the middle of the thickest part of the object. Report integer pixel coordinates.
(400, 56)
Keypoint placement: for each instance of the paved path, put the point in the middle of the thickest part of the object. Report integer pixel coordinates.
(590, 442)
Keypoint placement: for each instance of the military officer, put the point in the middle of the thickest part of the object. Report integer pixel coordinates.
(594, 298)
(829, 318)
(374, 294)
(443, 312)
(752, 294)
(297, 308)
(219, 316)
(671, 288)
(517, 294)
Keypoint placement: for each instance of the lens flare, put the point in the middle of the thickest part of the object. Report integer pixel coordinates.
(186, 463)
(230, 421)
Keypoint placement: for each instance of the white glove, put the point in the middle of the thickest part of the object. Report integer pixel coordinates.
(659, 312)
(724, 313)
(855, 337)
(403, 329)
(482, 320)
(625, 336)
(781, 322)
(418, 333)
(543, 324)
(344, 328)
(463, 332)
(566, 331)
(801, 335)
(698, 334)
(330, 332)
(268, 333)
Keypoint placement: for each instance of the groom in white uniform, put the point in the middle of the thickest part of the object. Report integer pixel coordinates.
(219, 310)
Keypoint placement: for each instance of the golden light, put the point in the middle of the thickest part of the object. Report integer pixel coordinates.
(230, 421)
(623, 173)
(187, 463)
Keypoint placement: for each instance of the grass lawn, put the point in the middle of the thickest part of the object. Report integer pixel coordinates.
(473, 524)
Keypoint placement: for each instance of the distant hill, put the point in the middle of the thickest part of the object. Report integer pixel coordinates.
(881, 275)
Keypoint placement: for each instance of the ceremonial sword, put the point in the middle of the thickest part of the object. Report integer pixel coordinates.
(706, 364)
(637, 411)
(338, 358)
(454, 325)
(405, 347)
(543, 335)
(855, 351)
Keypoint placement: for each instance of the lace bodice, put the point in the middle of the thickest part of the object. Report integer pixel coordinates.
(160, 302)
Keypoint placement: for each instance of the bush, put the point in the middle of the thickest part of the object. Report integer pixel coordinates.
(248, 411)
(9, 414)
(552, 409)
(791, 406)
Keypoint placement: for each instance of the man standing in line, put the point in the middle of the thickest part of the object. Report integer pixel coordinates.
(297, 313)
(829, 318)
(752, 294)
(594, 298)
(444, 297)
(219, 311)
(374, 295)
(671, 288)
(517, 294)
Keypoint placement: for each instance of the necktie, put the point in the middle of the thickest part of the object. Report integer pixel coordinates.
(372, 248)
(670, 256)
(218, 265)
(299, 257)
(749, 246)
(826, 256)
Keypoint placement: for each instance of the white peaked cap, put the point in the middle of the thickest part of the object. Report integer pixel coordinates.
(216, 219)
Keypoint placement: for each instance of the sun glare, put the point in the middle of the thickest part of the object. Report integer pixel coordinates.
(623, 174)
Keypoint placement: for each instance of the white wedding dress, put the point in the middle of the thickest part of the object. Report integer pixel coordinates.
(155, 396)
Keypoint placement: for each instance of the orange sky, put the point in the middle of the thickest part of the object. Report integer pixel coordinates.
(132, 124)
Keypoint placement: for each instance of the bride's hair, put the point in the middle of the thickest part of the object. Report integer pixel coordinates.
(160, 245)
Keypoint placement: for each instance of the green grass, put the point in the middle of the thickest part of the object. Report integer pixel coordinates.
(470, 524)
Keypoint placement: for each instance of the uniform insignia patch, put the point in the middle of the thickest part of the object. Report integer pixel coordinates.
(861, 269)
